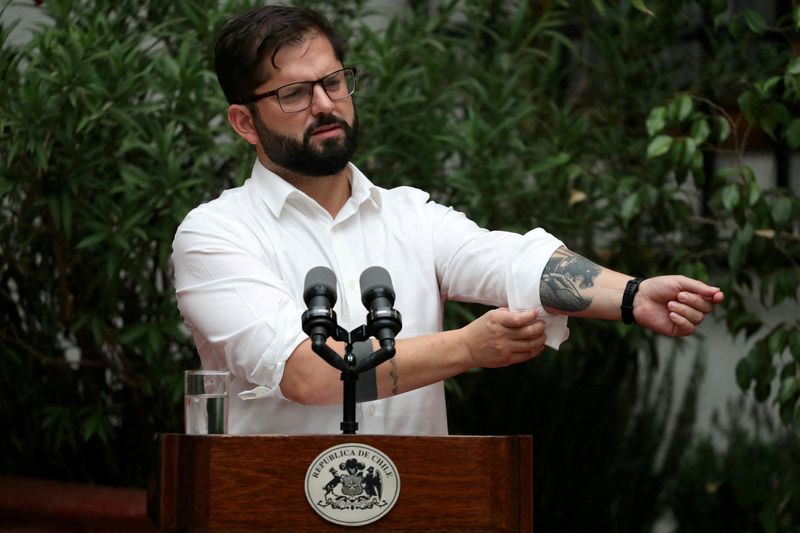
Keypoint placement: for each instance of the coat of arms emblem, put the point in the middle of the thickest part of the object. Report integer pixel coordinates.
(352, 484)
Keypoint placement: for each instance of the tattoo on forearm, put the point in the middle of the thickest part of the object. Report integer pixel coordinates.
(563, 277)
(395, 377)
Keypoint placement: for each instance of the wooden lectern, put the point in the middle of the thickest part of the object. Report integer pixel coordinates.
(256, 483)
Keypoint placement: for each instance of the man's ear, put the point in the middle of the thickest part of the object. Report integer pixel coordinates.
(242, 122)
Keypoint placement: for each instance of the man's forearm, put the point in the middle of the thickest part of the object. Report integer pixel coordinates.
(418, 362)
(573, 285)
(500, 337)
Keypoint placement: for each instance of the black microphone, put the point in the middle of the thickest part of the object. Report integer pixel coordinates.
(319, 293)
(377, 295)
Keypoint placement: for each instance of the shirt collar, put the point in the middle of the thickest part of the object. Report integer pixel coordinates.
(275, 191)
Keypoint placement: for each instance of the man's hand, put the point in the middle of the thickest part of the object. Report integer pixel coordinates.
(502, 337)
(674, 305)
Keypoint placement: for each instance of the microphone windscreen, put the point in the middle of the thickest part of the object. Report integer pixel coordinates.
(321, 277)
(373, 278)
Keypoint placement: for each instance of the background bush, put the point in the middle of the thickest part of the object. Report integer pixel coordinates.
(620, 131)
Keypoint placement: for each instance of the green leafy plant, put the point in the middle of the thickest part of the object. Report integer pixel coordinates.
(622, 127)
(750, 485)
(109, 134)
(755, 228)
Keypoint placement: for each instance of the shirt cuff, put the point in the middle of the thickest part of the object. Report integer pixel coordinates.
(268, 373)
(523, 276)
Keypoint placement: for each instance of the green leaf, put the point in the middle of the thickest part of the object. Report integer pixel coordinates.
(781, 211)
(765, 87)
(599, 6)
(698, 170)
(793, 67)
(630, 208)
(96, 424)
(745, 372)
(91, 241)
(745, 234)
(659, 146)
(745, 102)
(689, 151)
(755, 22)
(753, 192)
(773, 116)
(777, 341)
(639, 4)
(793, 134)
(656, 120)
(686, 107)
(134, 332)
(551, 163)
(794, 344)
(681, 107)
(748, 322)
(700, 131)
(737, 252)
(730, 197)
(723, 128)
(797, 417)
(786, 411)
(763, 390)
(789, 369)
(789, 389)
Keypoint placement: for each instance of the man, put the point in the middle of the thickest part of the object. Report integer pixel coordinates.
(240, 260)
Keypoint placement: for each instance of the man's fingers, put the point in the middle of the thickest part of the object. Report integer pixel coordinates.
(689, 313)
(522, 350)
(683, 326)
(516, 319)
(529, 331)
(696, 301)
(698, 287)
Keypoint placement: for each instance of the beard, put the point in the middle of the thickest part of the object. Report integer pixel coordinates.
(300, 157)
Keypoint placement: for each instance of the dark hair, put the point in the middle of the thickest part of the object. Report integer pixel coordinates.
(245, 41)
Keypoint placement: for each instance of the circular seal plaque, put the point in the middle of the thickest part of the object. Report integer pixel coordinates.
(352, 484)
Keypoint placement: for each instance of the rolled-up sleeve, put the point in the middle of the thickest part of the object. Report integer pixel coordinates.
(524, 270)
(242, 315)
(493, 267)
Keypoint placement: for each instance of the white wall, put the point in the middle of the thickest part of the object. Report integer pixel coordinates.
(28, 16)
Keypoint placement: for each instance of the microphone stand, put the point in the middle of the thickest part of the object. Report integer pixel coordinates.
(349, 367)
(319, 322)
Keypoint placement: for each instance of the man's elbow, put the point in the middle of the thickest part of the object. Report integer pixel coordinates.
(307, 391)
(308, 380)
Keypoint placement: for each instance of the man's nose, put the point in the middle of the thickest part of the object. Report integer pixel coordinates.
(321, 103)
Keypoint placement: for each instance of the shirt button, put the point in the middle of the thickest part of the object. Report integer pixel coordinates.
(371, 410)
(351, 284)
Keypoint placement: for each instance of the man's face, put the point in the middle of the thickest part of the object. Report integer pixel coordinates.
(319, 140)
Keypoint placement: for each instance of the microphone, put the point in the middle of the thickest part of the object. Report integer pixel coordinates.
(377, 295)
(319, 294)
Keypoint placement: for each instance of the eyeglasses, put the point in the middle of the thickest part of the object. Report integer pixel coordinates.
(297, 96)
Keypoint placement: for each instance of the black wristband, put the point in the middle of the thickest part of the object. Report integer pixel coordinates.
(627, 300)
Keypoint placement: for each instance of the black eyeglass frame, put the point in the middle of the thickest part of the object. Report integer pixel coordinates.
(256, 97)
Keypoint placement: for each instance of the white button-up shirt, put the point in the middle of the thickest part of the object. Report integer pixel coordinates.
(240, 264)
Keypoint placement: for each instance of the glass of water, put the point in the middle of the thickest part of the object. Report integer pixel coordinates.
(206, 402)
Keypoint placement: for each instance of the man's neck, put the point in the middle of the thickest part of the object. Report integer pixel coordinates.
(330, 192)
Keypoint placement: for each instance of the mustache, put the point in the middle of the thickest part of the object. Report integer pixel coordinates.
(326, 120)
